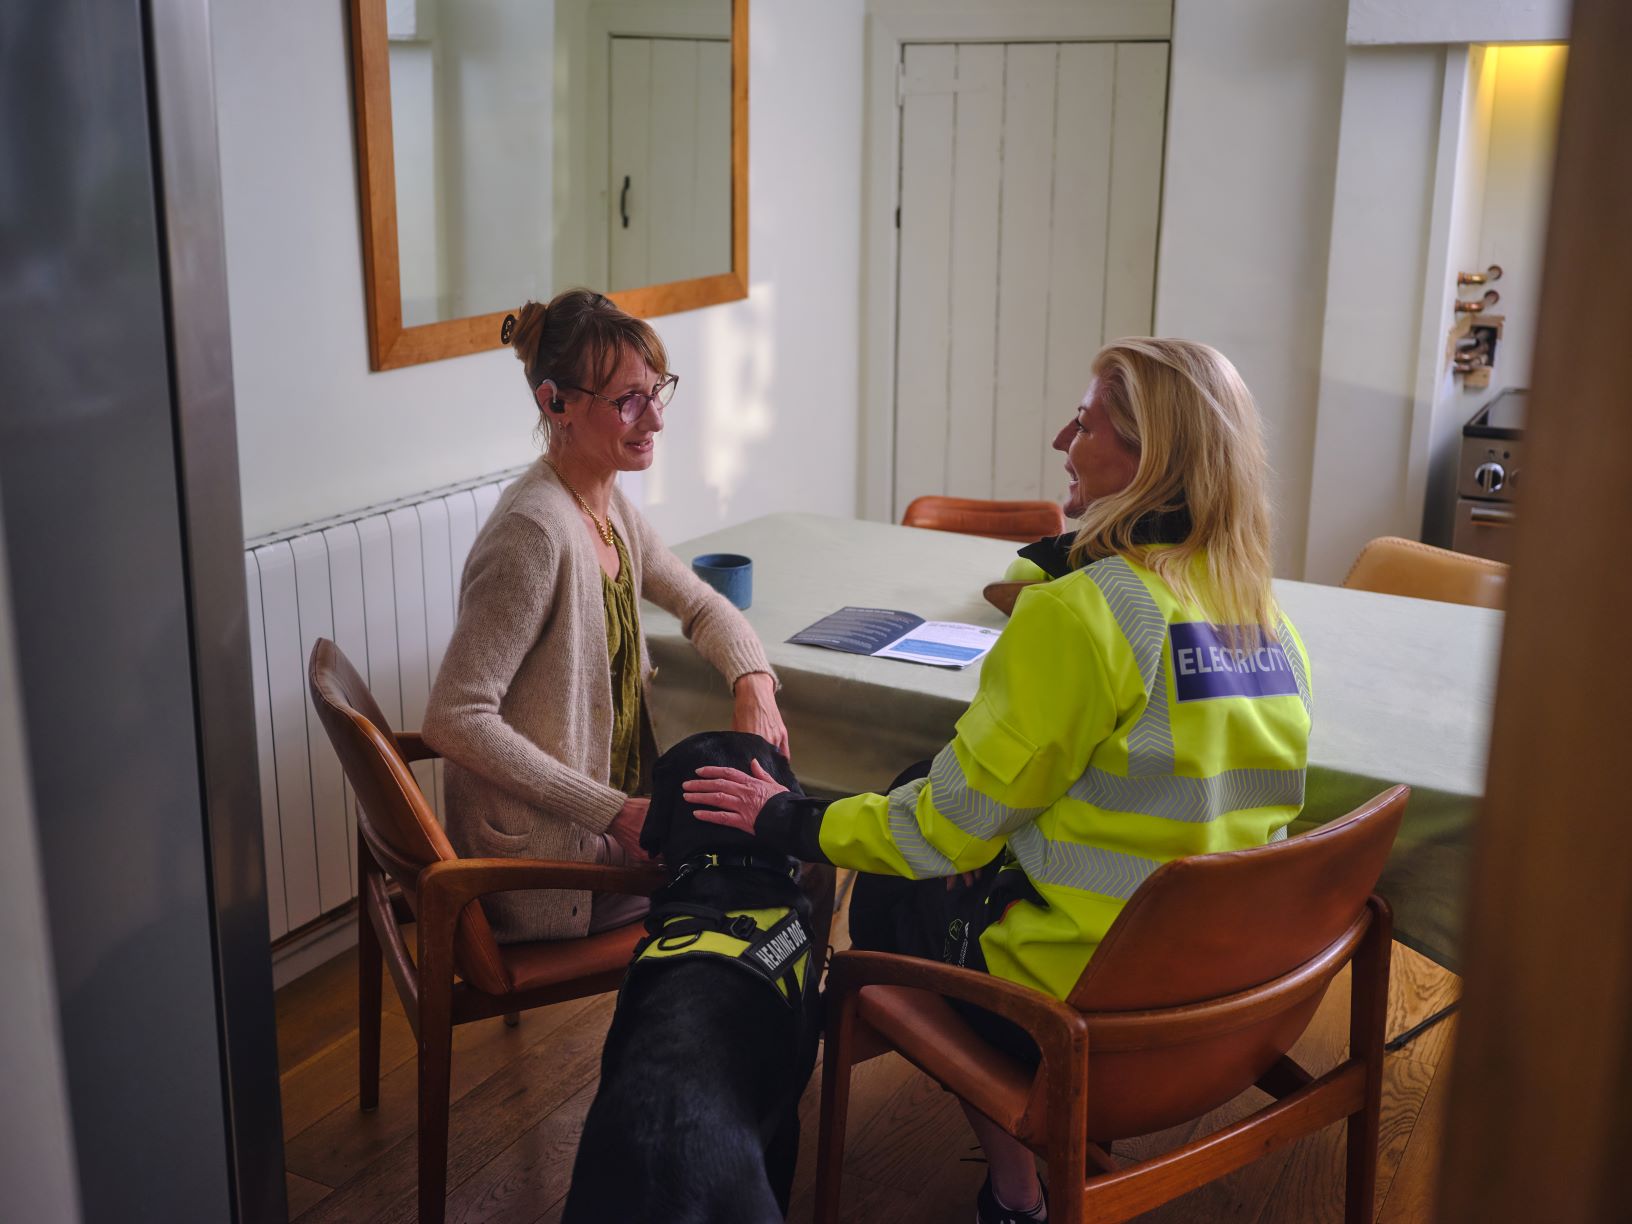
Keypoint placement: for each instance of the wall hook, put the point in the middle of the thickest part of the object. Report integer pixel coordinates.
(1492, 273)
(1490, 299)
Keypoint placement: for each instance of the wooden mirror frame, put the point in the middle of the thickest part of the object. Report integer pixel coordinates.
(390, 344)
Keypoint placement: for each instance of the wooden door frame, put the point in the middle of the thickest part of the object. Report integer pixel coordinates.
(891, 23)
(1540, 1111)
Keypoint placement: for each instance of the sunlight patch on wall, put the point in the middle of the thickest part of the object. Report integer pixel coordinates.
(740, 360)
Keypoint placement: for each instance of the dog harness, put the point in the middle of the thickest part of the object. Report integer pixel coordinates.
(772, 944)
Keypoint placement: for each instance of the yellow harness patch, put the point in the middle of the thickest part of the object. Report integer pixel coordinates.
(772, 944)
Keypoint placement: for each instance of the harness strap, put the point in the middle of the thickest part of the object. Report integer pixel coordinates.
(772, 944)
(781, 864)
(680, 921)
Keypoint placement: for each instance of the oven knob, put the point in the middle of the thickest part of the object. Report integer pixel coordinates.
(1489, 477)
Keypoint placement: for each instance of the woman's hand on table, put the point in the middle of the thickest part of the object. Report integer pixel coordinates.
(725, 796)
(625, 829)
(755, 710)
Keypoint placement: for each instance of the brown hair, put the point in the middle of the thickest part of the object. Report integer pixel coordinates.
(1201, 450)
(578, 339)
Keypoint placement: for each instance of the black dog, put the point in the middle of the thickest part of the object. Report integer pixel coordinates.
(696, 1117)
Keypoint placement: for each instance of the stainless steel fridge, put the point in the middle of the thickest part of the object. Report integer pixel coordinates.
(126, 693)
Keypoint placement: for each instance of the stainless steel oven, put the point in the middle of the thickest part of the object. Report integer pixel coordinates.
(1488, 475)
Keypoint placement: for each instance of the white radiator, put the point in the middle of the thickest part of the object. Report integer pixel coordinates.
(384, 585)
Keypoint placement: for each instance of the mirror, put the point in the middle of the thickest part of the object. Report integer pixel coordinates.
(509, 149)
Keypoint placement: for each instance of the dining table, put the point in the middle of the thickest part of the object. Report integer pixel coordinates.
(1403, 689)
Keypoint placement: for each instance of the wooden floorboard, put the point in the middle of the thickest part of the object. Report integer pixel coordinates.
(533, 1171)
(487, 1118)
(318, 1009)
(303, 1194)
(1410, 1195)
(520, 1096)
(328, 1080)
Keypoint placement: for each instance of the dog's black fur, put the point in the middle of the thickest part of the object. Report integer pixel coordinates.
(696, 1117)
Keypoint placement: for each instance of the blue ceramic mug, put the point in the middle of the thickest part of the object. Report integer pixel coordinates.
(730, 574)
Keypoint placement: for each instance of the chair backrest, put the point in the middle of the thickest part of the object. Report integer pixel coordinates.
(1215, 924)
(1216, 965)
(1393, 566)
(1020, 521)
(393, 816)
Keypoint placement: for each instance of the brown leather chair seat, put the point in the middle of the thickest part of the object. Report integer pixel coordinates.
(538, 966)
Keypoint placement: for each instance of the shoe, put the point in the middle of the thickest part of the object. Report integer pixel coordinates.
(989, 1211)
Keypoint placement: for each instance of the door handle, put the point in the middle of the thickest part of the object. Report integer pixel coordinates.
(1490, 516)
(623, 202)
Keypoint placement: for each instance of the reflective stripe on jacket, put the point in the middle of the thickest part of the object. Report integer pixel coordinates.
(1113, 730)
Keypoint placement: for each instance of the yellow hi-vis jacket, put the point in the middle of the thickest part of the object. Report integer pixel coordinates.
(1114, 729)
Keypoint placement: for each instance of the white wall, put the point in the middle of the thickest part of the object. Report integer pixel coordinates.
(421, 253)
(1517, 189)
(1470, 85)
(1246, 211)
(766, 418)
(38, 1181)
(1373, 313)
(1444, 165)
(1458, 21)
(494, 89)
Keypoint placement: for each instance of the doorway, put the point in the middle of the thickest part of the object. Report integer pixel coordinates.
(1029, 192)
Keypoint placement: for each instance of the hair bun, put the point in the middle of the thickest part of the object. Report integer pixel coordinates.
(507, 329)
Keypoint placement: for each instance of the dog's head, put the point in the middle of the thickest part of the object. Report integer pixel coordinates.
(672, 828)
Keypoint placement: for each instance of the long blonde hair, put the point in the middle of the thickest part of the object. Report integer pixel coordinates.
(1201, 450)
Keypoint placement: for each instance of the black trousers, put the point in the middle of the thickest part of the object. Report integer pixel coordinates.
(927, 919)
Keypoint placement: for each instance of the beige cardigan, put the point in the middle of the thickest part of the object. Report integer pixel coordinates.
(522, 707)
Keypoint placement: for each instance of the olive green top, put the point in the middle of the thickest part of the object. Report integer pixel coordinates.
(623, 649)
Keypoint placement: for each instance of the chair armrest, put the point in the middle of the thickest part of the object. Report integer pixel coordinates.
(1041, 1016)
(1004, 595)
(454, 882)
(412, 746)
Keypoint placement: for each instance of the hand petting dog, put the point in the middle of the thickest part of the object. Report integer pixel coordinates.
(725, 796)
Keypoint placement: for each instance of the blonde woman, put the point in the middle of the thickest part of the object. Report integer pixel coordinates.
(1150, 703)
(539, 706)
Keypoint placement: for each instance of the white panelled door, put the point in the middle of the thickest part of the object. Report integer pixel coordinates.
(1030, 188)
(670, 192)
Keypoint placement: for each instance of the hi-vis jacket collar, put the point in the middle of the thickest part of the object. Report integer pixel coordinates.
(772, 944)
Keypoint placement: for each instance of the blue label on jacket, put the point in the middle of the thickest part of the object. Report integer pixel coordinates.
(1206, 665)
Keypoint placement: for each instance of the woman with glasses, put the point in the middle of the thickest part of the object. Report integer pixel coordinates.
(539, 706)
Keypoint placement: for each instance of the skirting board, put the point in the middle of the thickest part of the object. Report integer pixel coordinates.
(319, 943)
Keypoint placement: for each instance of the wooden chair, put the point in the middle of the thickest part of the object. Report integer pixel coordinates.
(1020, 521)
(460, 973)
(1394, 566)
(1207, 977)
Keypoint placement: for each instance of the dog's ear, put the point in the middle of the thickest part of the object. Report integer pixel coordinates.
(654, 834)
(777, 766)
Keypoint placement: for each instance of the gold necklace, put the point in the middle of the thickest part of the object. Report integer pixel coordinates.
(604, 526)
